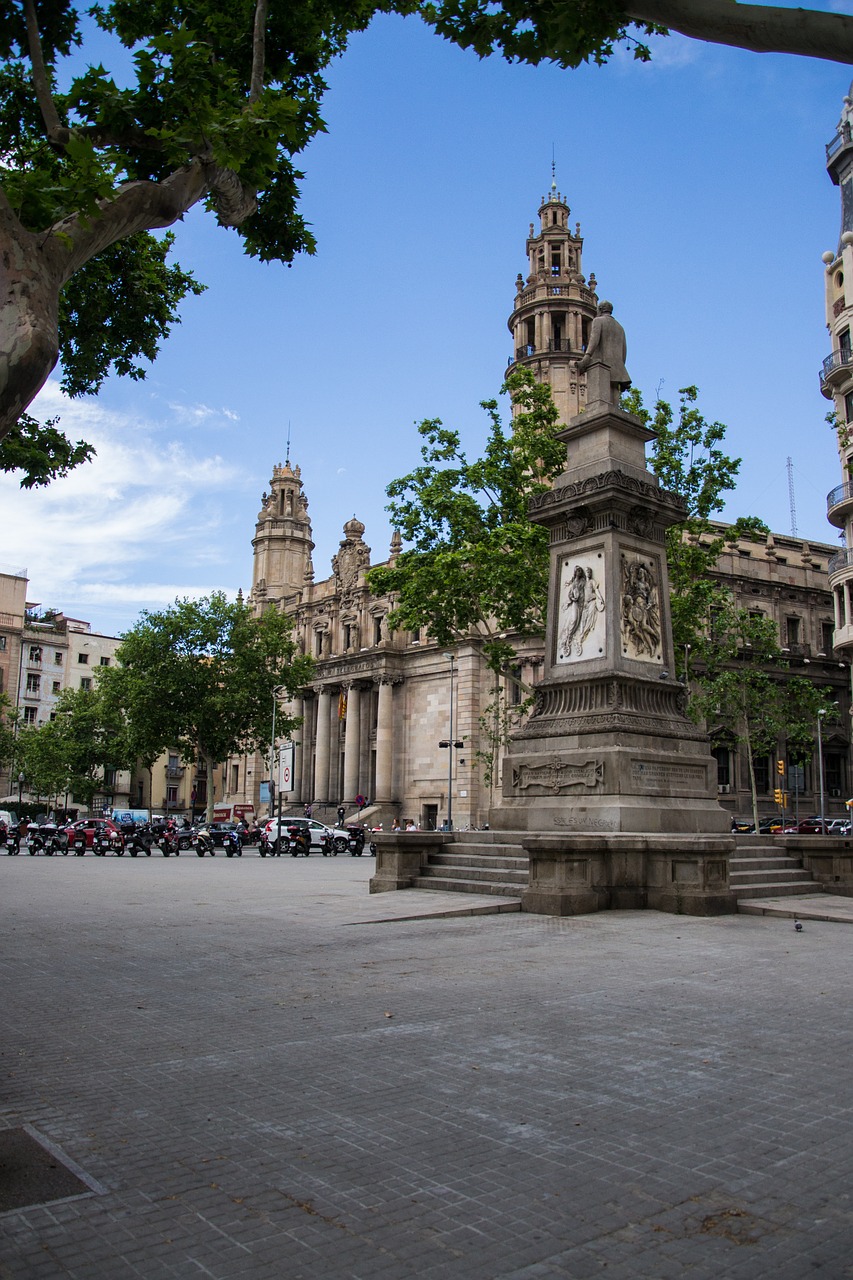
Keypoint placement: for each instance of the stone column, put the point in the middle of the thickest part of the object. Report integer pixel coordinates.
(299, 753)
(321, 753)
(352, 744)
(384, 742)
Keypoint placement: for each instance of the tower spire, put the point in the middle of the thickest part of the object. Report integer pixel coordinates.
(554, 305)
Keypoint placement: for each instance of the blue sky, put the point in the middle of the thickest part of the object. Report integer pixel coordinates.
(700, 186)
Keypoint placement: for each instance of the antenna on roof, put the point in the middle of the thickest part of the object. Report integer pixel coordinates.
(553, 169)
(791, 501)
(287, 460)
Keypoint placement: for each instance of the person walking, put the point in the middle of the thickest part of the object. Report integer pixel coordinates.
(342, 813)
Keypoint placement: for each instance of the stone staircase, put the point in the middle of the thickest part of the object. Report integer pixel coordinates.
(488, 862)
(762, 870)
(477, 862)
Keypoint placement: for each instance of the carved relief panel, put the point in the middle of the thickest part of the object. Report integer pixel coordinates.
(581, 625)
(640, 612)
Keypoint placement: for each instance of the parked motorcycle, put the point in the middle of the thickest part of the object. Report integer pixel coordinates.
(233, 846)
(300, 841)
(203, 843)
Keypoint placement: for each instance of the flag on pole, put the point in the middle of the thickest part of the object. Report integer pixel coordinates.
(342, 705)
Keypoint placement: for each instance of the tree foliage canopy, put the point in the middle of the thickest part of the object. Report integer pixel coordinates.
(202, 676)
(473, 559)
(212, 101)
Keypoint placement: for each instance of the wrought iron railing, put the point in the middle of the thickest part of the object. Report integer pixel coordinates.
(841, 560)
(841, 493)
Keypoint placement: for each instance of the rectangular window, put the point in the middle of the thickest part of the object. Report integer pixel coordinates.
(56, 687)
(721, 755)
(109, 779)
(86, 682)
(318, 643)
(105, 662)
(30, 715)
(2, 643)
(171, 795)
(844, 345)
(35, 653)
(57, 657)
(848, 407)
(201, 791)
(827, 636)
(792, 631)
(377, 630)
(173, 760)
(415, 636)
(513, 687)
(84, 658)
(347, 636)
(33, 684)
(235, 777)
(762, 774)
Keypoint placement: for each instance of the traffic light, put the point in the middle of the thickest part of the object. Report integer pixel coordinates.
(777, 795)
(780, 767)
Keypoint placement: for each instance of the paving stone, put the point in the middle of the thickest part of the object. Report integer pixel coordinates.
(628, 1094)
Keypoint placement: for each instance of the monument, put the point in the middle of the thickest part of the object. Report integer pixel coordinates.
(612, 784)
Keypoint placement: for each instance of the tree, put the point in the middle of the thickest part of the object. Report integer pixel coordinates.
(744, 692)
(202, 676)
(687, 459)
(570, 32)
(475, 562)
(70, 752)
(223, 94)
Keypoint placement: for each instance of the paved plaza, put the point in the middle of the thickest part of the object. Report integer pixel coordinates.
(262, 1075)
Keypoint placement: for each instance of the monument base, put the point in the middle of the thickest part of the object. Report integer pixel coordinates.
(576, 874)
(610, 782)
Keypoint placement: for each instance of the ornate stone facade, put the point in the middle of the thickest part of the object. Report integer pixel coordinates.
(380, 704)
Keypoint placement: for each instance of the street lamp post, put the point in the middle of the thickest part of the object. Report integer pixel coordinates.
(451, 745)
(21, 780)
(820, 716)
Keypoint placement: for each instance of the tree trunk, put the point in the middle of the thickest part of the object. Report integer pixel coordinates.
(748, 742)
(29, 337)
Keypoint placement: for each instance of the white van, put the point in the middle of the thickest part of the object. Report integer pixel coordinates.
(10, 819)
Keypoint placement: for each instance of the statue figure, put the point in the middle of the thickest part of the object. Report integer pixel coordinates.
(607, 346)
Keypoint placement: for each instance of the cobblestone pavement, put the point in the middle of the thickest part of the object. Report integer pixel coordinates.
(268, 1081)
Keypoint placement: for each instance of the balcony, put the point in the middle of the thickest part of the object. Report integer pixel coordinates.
(174, 771)
(561, 345)
(841, 560)
(843, 138)
(836, 369)
(838, 502)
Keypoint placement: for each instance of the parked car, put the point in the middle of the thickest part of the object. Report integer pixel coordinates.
(90, 827)
(808, 827)
(321, 835)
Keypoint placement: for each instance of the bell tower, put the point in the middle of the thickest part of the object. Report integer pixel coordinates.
(554, 308)
(282, 543)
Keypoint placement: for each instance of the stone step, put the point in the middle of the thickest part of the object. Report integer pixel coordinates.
(752, 864)
(465, 871)
(502, 890)
(776, 890)
(478, 848)
(468, 859)
(765, 876)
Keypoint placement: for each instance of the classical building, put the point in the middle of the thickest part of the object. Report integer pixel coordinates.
(383, 706)
(43, 653)
(836, 381)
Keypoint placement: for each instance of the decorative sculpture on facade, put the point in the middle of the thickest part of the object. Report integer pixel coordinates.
(641, 625)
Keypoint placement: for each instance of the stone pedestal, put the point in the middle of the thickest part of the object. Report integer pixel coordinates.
(609, 748)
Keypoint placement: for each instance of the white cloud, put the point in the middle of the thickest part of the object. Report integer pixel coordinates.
(196, 415)
(140, 500)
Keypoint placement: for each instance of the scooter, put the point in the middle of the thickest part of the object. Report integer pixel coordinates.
(203, 843)
(300, 841)
(233, 845)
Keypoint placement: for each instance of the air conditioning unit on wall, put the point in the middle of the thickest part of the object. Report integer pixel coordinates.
(724, 788)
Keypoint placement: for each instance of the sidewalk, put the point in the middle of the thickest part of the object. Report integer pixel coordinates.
(260, 1070)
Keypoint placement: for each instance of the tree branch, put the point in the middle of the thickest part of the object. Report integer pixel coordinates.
(56, 130)
(760, 28)
(259, 36)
